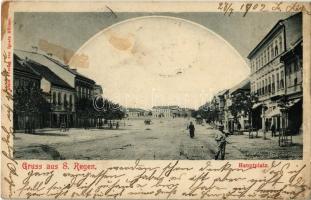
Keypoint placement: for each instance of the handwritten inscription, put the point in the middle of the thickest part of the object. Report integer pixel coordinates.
(174, 179)
(10, 165)
(228, 8)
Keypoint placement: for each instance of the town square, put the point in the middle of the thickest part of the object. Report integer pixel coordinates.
(131, 90)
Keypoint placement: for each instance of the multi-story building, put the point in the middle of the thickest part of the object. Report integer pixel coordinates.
(61, 96)
(268, 75)
(164, 111)
(83, 85)
(242, 116)
(24, 77)
(292, 60)
(218, 105)
(135, 112)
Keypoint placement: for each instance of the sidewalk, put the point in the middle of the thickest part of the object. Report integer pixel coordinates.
(258, 148)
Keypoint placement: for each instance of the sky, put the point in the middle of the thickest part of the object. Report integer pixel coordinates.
(182, 59)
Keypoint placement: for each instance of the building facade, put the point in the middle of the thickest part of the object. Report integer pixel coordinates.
(241, 120)
(24, 79)
(83, 86)
(135, 112)
(268, 71)
(59, 94)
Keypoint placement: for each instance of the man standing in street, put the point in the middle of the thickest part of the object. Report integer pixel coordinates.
(221, 143)
(191, 130)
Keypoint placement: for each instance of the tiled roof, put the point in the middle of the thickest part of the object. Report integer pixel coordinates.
(46, 61)
(68, 68)
(48, 74)
(22, 66)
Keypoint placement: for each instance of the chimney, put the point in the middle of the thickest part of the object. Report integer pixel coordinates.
(50, 54)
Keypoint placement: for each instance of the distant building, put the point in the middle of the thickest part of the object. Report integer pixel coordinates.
(135, 112)
(218, 105)
(242, 120)
(98, 90)
(164, 111)
(270, 62)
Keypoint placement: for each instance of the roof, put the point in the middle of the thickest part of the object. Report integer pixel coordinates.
(47, 60)
(222, 92)
(48, 74)
(74, 71)
(165, 107)
(270, 33)
(135, 110)
(244, 85)
(22, 66)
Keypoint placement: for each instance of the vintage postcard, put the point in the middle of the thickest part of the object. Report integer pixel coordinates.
(155, 100)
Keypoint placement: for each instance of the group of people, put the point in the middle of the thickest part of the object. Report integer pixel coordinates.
(220, 139)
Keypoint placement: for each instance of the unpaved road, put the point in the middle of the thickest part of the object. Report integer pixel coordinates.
(164, 139)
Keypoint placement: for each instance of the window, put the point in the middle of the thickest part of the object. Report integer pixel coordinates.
(277, 81)
(266, 86)
(65, 100)
(280, 44)
(282, 81)
(273, 84)
(59, 99)
(269, 86)
(268, 53)
(54, 98)
(276, 50)
(70, 100)
(272, 52)
(262, 87)
(290, 68)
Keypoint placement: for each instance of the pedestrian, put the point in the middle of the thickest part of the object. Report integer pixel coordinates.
(221, 144)
(273, 130)
(191, 130)
(117, 125)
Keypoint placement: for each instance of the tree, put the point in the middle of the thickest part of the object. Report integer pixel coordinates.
(243, 102)
(30, 102)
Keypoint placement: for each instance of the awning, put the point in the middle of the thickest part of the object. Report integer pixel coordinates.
(273, 113)
(256, 105)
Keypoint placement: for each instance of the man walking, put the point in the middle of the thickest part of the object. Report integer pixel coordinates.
(191, 130)
(221, 144)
